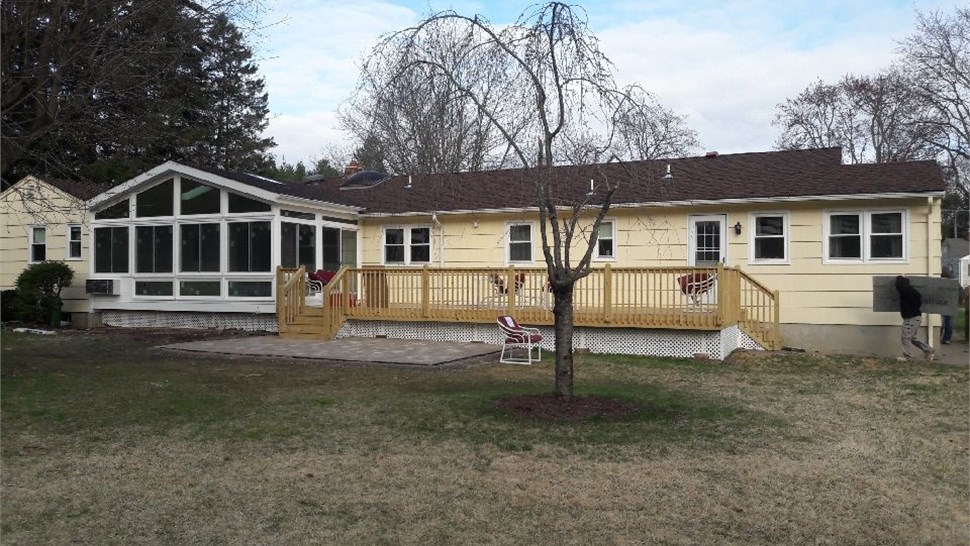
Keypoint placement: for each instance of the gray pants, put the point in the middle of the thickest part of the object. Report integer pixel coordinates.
(910, 327)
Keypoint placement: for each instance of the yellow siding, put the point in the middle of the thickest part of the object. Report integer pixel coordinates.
(812, 291)
(32, 202)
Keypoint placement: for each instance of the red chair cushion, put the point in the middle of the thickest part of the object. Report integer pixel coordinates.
(533, 338)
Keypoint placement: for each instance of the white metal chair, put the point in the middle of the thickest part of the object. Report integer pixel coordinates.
(519, 337)
(313, 286)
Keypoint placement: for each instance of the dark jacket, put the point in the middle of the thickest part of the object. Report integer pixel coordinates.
(909, 298)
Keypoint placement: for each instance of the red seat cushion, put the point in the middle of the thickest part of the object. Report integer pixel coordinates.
(533, 338)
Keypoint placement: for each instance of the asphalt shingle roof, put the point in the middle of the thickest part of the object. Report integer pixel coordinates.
(745, 176)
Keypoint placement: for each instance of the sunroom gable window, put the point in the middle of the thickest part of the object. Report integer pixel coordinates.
(196, 198)
(155, 201)
(241, 203)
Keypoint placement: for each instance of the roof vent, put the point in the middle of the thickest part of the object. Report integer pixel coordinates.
(711, 154)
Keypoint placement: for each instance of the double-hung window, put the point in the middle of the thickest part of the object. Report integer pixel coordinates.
(38, 244)
(865, 236)
(520, 243)
(73, 242)
(605, 245)
(769, 238)
(407, 245)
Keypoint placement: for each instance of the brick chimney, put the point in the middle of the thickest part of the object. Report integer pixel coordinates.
(353, 168)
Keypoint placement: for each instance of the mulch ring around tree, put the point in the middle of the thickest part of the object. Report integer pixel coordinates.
(549, 407)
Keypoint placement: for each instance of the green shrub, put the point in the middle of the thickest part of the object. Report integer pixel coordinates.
(7, 303)
(39, 292)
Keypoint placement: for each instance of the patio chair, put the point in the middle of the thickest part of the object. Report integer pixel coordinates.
(314, 286)
(517, 337)
(695, 285)
(500, 291)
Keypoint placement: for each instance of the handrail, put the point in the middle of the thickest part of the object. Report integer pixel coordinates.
(646, 297)
(290, 292)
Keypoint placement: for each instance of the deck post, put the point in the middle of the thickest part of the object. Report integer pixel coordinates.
(280, 301)
(511, 291)
(776, 326)
(607, 294)
(425, 292)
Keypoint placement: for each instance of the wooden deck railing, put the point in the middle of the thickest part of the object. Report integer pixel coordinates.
(608, 297)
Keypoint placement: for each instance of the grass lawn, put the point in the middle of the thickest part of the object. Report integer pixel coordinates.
(108, 441)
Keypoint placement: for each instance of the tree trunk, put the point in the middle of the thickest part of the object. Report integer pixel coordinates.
(563, 313)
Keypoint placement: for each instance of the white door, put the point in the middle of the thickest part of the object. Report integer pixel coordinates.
(707, 243)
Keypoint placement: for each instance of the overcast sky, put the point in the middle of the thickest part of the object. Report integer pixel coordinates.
(725, 64)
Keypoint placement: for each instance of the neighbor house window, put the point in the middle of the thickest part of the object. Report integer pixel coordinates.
(770, 235)
(407, 245)
(199, 246)
(605, 245)
(869, 236)
(73, 242)
(249, 247)
(153, 250)
(520, 243)
(111, 249)
(38, 244)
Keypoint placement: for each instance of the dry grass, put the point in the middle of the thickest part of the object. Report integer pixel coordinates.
(106, 443)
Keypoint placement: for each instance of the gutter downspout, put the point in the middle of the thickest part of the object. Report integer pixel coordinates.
(930, 322)
(441, 240)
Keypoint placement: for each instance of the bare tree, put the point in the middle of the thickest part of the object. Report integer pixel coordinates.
(547, 79)
(420, 120)
(874, 119)
(937, 56)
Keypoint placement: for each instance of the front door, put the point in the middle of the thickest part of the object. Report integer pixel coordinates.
(707, 241)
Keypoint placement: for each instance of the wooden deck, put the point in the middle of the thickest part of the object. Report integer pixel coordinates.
(654, 298)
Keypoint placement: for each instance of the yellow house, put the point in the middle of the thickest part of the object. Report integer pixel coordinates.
(45, 219)
(786, 243)
(798, 222)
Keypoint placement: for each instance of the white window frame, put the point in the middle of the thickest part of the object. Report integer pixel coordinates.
(596, 254)
(753, 217)
(508, 243)
(865, 228)
(407, 245)
(31, 243)
(68, 255)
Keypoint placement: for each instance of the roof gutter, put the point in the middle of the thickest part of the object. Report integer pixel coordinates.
(682, 203)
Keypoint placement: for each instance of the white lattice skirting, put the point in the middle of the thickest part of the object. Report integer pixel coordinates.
(631, 341)
(250, 322)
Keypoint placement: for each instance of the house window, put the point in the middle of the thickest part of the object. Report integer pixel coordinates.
(155, 201)
(331, 248)
(73, 242)
(198, 198)
(520, 243)
(239, 203)
(153, 288)
(407, 245)
(200, 288)
(249, 247)
(38, 244)
(250, 289)
(298, 245)
(153, 250)
(605, 247)
(199, 245)
(770, 238)
(111, 250)
(869, 236)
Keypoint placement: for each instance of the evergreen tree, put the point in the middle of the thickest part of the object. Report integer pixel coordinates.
(237, 112)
